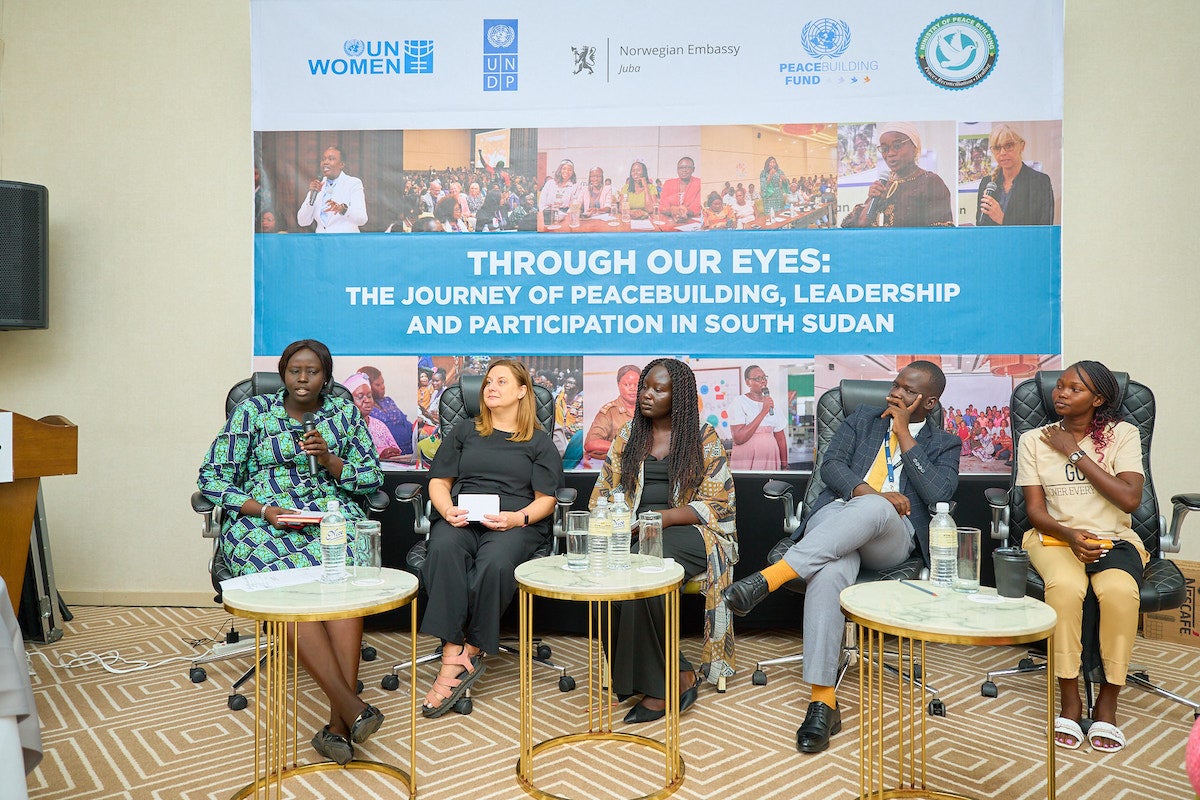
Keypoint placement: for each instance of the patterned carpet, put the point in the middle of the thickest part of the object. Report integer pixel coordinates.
(154, 734)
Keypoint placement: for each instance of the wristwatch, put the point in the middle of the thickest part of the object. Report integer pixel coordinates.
(1074, 457)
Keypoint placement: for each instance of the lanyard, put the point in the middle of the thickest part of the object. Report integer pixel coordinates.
(887, 455)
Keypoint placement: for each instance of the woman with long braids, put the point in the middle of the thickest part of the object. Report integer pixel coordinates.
(666, 460)
(1082, 478)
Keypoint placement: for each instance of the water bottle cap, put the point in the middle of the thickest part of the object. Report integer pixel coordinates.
(335, 505)
(942, 508)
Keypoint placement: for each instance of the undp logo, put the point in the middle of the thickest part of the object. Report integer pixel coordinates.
(354, 47)
(501, 36)
(957, 51)
(825, 37)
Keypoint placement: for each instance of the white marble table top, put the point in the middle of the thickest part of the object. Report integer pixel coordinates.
(947, 616)
(549, 577)
(314, 600)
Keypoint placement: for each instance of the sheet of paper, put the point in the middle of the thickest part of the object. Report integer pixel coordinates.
(270, 580)
(477, 505)
(6, 447)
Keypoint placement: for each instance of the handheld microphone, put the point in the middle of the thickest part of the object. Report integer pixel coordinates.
(988, 191)
(869, 211)
(767, 393)
(310, 424)
(312, 194)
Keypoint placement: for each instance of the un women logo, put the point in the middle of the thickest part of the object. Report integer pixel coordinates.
(354, 47)
(825, 37)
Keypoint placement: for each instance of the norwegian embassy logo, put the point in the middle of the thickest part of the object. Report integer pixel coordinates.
(585, 58)
(825, 37)
(500, 55)
(378, 57)
(957, 51)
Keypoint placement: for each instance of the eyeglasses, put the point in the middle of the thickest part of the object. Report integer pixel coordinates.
(757, 378)
(894, 147)
(1007, 147)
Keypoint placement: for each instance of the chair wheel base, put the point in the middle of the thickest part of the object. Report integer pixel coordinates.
(759, 678)
(369, 653)
(544, 652)
(989, 689)
(236, 702)
(358, 687)
(566, 683)
(1025, 663)
(937, 708)
(390, 682)
(464, 706)
(197, 675)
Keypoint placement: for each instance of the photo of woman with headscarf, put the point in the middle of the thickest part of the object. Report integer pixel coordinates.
(907, 196)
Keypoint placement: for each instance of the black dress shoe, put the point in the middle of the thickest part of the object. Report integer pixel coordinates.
(744, 595)
(687, 699)
(819, 724)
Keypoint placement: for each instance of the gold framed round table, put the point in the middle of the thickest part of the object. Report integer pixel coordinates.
(549, 577)
(278, 606)
(915, 612)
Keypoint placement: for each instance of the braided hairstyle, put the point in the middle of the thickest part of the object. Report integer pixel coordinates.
(1101, 382)
(685, 460)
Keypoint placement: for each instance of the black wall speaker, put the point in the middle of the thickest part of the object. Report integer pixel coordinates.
(24, 255)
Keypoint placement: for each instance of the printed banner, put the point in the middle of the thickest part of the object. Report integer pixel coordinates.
(784, 195)
(827, 292)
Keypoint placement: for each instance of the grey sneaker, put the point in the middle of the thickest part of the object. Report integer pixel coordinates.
(332, 746)
(366, 724)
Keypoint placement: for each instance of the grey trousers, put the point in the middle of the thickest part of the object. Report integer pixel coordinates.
(841, 537)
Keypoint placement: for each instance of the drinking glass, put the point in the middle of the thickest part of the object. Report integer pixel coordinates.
(577, 540)
(968, 560)
(368, 554)
(650, 544)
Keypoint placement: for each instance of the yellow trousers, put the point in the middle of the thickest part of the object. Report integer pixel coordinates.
(1066, 584)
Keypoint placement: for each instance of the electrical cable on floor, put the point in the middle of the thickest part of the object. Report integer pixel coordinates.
(107, 661)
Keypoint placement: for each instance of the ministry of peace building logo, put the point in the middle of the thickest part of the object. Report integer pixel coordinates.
(957, 51)
(354, 47)
(825, 37)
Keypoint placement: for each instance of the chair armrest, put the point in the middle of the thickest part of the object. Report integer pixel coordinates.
(411, 493)
(564, 498)
(998, 499)
(210, 527)
(782, 490)
(1181, 504)
(377, 501)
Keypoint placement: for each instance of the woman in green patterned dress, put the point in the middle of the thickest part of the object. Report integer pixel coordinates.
(256, 470)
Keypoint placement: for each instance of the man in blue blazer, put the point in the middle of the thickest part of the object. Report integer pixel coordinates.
(883, 470)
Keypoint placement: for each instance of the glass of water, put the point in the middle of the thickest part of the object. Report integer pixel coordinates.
(577, 540)
(650, 543)
(368, 553)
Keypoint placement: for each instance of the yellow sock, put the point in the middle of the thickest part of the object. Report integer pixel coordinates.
(825, 694)
(778, 574)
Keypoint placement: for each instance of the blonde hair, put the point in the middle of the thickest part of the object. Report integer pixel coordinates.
(526, 408)
(1003, 134)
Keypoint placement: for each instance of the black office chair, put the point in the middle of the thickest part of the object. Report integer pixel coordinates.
(218, 570)
(461, 401)
(1163, 587)
(832, 409)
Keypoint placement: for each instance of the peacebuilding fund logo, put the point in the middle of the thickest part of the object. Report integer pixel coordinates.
(500, 55)
(378, 57)
(957, 51)
(825, 37)
(826, 40)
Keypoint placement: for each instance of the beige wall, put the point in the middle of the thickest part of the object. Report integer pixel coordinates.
(137, 117)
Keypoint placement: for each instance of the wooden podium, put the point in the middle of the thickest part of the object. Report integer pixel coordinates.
(40, 447)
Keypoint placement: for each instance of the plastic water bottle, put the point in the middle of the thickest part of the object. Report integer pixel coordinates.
(943, 547)
(333, 545)
(618, 548)
(600, 530)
